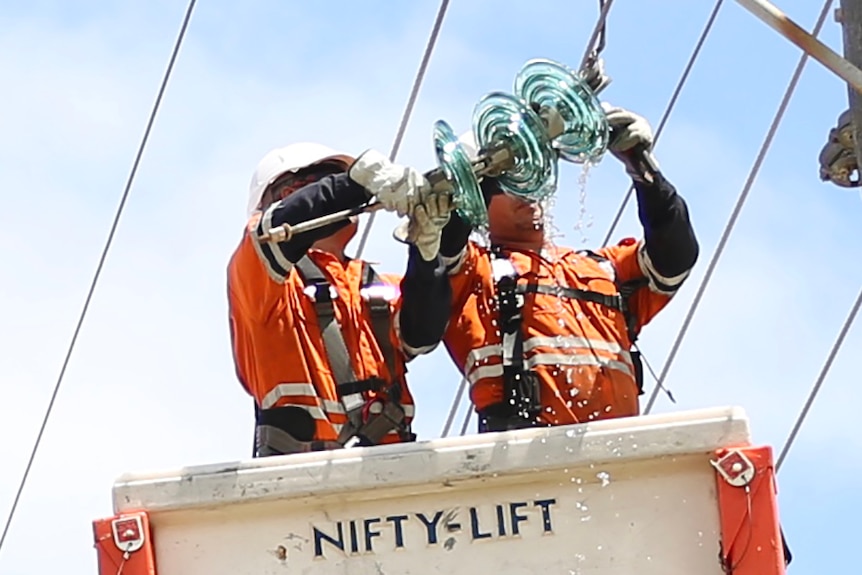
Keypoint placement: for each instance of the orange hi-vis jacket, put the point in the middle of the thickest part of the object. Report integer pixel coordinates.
(279, 351)
(578, 349)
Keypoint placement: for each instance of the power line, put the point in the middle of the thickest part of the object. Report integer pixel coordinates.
(101, 263)
(660, 128)
(408, 110)
(454, 408)
(819, 382)
(596, 43)
(737, 209)
(466, 422)
(670, 106)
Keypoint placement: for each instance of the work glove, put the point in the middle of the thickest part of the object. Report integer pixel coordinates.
(397, 188)
(631, 142)
(427, 222)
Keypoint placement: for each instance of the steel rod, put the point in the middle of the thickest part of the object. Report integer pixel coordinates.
(779, 21)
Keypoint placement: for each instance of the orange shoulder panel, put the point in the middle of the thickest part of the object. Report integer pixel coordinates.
(645, 303)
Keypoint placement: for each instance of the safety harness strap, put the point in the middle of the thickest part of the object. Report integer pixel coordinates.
(360, 386)
(626, 290)
(381, 325)
(393, 415)
(521, 401)
(272, 440)
(322, 292)
(362, 428)
(614, 301)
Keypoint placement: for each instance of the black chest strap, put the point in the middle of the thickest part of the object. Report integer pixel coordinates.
(614, 301)
(626, 291)
(521, 400)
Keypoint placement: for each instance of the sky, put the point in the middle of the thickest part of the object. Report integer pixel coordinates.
(151, 385)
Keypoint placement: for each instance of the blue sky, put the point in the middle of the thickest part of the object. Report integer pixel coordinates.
(151, 384)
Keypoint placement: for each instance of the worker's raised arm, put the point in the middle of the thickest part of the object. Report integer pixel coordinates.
(326, 196)
(426, 294)
(453, 243)
(372, 175)
(670, 249)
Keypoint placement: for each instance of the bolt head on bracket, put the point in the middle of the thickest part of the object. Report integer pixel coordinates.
(735, 468)
(128, 533)
(838, 162)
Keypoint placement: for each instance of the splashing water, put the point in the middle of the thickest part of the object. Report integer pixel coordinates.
(482, 236)
(584, 220)
(604, 477)
(552, 232)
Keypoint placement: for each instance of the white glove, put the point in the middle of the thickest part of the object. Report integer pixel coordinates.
(631, 142)
(397, 187)
(627, 129)
(427, 222)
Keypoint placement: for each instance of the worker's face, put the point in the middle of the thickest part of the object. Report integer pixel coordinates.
(511, 218)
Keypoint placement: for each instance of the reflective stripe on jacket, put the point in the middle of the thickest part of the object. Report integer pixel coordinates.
(578, 349)
(278, 349)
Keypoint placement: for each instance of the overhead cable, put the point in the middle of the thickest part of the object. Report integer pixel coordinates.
(100, 265)
(408, 109)
(737, 209)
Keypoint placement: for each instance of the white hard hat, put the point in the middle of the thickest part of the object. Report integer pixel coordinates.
(290, 158)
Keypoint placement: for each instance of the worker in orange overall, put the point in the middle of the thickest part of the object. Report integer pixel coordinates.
(544, 334)
(320, 340)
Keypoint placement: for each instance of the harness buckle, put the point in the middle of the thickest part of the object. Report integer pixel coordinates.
(372, 408)
(321, 292)
(522, 397)
(378, 417)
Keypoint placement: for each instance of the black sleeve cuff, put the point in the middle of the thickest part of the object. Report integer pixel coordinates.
(323, 197)
(669, 237)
